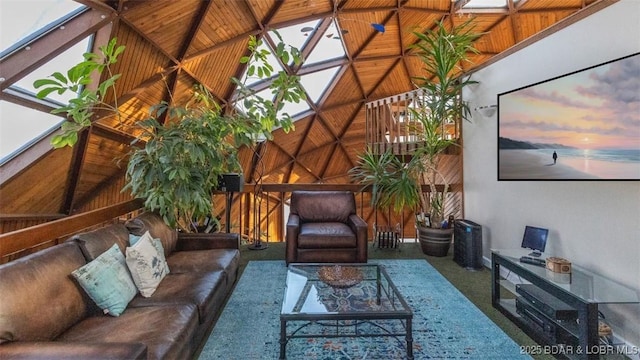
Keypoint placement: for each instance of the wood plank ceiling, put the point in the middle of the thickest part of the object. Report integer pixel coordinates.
(171, 45)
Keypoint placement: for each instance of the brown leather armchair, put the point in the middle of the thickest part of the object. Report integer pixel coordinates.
(323, 227)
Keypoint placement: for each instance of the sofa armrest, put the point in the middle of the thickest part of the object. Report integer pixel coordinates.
(360, 228)
(71, 350)
(207, 241)
(293, 229)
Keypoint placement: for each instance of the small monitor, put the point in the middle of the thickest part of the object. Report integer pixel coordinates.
(535, 238)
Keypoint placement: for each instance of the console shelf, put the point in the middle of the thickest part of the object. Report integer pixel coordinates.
(575, 337)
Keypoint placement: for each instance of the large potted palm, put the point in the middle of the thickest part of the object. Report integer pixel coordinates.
(399, 184)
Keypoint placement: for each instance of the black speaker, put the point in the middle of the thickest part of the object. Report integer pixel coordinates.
(231, 182)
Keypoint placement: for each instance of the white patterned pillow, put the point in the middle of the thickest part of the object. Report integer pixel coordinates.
(107, 281)
(147, 264)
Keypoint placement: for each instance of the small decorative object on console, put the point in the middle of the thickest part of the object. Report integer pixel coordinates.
(340, 276)
(559, 265)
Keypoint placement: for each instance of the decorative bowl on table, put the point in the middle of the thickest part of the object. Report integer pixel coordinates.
(338, 276)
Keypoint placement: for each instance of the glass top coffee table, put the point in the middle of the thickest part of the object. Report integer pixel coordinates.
(342, 300)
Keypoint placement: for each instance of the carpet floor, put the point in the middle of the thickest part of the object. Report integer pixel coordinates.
(446, 324)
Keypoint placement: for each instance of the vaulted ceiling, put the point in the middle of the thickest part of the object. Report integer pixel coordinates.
(172, 45)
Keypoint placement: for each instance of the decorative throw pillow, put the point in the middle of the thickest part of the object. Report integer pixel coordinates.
(107, 281)
(133, 239)
(147, 264)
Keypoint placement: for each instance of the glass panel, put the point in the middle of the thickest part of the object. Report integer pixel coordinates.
(22, 18)
(295, 108)
(61, 63)
(316, 83)
(296, 35)
(485, 4)
(20, 125)
(329, 46)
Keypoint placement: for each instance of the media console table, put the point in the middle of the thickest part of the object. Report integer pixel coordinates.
(566, 329)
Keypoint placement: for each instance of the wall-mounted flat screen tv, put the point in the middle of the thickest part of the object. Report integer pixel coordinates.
(580, 126)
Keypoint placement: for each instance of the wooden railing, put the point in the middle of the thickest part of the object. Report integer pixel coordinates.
(259, 212)
(18, 243)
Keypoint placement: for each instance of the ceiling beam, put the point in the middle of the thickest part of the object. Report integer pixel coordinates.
(39, 51)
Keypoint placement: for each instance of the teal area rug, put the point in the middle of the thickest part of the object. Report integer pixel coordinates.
(445, 325)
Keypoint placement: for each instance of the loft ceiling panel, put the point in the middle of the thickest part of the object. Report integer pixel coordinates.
(345, 91)
(100, 165)
(318, 136)
(136, 108)
(433, 5)
(386, 44)
(354, 147)
(370, 72)
(183, 89)
(396, 82)
(415, 67)
(301, 175)
(338, 118)
(316, 160)
(338, 165)
(498, 38)
(272, 158)
(290, 142)
(40, 188)
(293, 10)
(216, 68)
(531, 23)
(551, 4)
(414, 20)
(364, 4)
(223, 23)
(261, 8)
(165, 22)
(360, 31)
(140, 55)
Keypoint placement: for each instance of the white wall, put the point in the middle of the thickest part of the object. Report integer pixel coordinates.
(594, 224)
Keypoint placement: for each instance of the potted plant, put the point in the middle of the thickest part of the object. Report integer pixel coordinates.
(398, 184)
(177, 168)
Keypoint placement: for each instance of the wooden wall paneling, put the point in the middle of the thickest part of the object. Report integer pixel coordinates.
(339, 165)
(413, 20)
(396, 81)
(292, 141)
(300, 175)
(387, 43)
(338, 118)
(344, 91)
(221, 24)
(262, 8)
(430, 5)
(318, 136)
(296, 9)
(216, 68)
(315, 161)
(371, 72)
(38, 189)
(532, 23)
(498, 37)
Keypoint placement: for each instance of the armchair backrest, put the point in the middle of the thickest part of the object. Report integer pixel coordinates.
(323, 206)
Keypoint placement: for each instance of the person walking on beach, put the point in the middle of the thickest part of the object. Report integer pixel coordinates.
(555, 157)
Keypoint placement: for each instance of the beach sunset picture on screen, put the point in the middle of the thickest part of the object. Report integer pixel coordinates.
(581, 126)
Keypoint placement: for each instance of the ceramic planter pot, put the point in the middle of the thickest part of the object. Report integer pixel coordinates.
(435, 242)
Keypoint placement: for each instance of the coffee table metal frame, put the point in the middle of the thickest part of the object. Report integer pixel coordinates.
(385, 289)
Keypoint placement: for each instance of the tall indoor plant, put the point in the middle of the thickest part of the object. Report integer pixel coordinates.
(186, 145)
(397, 183)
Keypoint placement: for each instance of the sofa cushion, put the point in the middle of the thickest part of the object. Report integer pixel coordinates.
(38, 297)
(326, 235)
(323, 206)
(108, 281)
(93, 243)
(166, 330)
(147, 264)
(153, 223)
(204, 289)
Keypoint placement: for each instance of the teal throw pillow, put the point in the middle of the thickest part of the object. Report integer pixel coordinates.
(107, 281)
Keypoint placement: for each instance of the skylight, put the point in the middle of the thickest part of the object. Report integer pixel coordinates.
(73, 55)
(21, 126)
(316, 83)
(20, 19)
(296, 35)
(485, 4)
(329, 46)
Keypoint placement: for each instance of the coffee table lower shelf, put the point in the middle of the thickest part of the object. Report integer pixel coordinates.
(342, 322)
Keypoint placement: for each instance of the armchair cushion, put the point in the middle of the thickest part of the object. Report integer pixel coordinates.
(326, 235)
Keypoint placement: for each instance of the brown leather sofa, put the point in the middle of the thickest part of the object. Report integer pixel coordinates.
(323, 227)
(45, 314)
